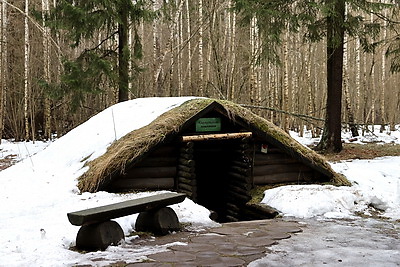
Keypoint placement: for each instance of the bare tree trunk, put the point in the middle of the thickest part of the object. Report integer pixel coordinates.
(200, 47)
(46, 72)
(231, 62)
(310, 85)
(3, 65)
(365, 96)
(26, 72)
(358, 78)
(189, 46)
(212, 47)
(271, 89)
(285, 100)
(383, 81)
(253, 59)
(157, 62)
(372, 88)
(180, 45)
(349, 111)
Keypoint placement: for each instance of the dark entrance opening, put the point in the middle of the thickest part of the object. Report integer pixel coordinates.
(217, 175)
(213, 160)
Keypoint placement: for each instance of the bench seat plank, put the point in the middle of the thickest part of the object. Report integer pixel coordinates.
(112, 211)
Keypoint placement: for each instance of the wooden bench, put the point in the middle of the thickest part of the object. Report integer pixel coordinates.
(98, 231)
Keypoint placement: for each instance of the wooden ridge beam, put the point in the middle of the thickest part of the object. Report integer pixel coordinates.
(221, 136)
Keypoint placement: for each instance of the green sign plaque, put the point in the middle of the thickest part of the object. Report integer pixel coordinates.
(208, 125)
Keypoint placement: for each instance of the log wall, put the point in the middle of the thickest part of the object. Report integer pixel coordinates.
(274, 167)
(186, 175)
(239, 180)
(157, 171)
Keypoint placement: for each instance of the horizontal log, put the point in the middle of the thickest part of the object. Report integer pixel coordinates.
(186, 156)
(186, 162)
(186, 187)
(242, 164)
(237, 197)
(231, 219)
(222, 136)
(187, 145)
(264, 211)
(232, 213)
(264, 159)
(187, 150)
(189, 194)
(232, 206)
(237, 189)
(143, 183)
(279, 168)
(191, 182)
(239, 177)
(183, 190)
(241, 184)
(154, 172)
(282, 178)
(188, 175)
(165, 151)
(189, 169)
(158, 162)
(240, 170)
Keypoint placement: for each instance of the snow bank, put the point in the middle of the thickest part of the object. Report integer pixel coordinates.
(37, 193)
(375, 189)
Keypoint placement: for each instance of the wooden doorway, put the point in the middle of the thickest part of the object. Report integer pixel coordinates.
(217, 174)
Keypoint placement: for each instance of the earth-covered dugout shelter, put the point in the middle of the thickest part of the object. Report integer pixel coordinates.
(214, 151)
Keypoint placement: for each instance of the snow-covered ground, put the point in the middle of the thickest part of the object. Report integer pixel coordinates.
(37, 193)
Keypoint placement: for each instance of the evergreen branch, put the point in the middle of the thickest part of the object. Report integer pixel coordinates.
(102, 42)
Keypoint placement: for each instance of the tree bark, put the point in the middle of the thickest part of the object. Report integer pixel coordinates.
(200, 47)
(123, 56)
(331, 137)
(3, 64)
(26, 72)
(46, 71)
(349, 111)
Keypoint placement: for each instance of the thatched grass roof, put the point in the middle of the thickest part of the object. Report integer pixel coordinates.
(138, 142)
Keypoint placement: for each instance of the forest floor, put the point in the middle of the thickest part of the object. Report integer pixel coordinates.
(364, 151)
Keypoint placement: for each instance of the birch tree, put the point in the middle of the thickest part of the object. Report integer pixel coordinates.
(26, 71)
(157, 57)
(200, 49)
(383, 75)
(46, 71)
(347, 101)
(189, 45)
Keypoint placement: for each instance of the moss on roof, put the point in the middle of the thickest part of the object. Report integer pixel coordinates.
(139, 142)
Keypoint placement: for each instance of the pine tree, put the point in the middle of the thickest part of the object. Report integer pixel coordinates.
(101, 63)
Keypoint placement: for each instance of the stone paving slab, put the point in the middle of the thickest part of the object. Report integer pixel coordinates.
(232, 244)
